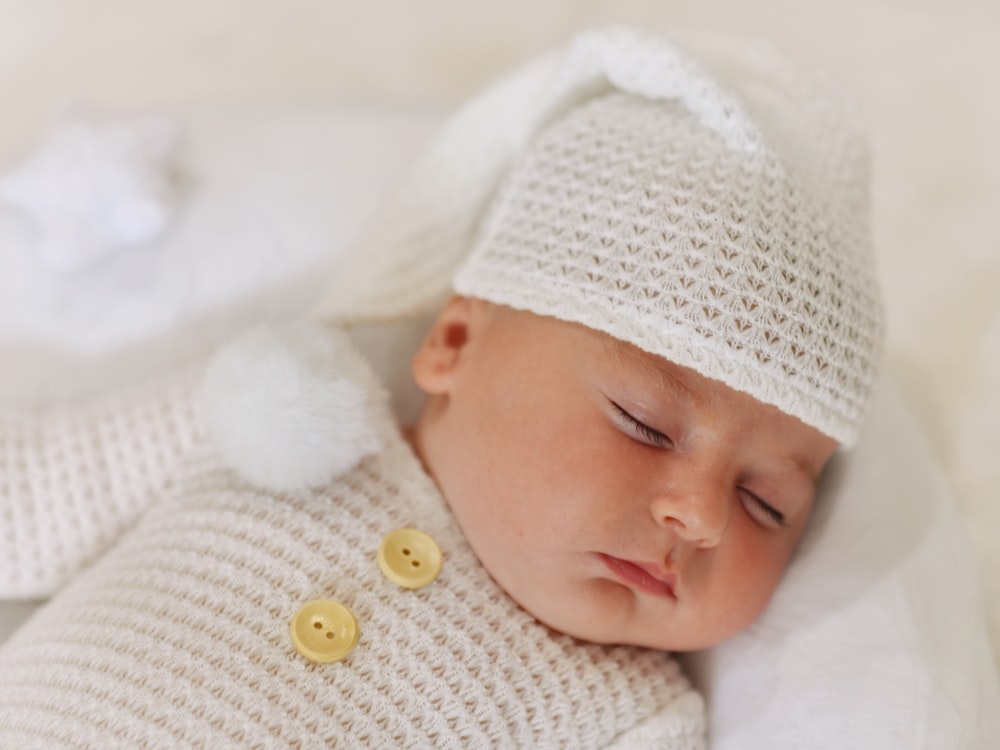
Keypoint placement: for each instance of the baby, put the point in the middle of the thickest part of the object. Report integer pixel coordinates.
(666, 325)
(616, 496)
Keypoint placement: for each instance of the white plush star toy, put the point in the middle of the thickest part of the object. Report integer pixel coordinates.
(94, 187)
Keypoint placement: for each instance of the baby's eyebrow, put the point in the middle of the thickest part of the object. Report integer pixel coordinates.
(652, 364)
(805, 467)
(810, 470)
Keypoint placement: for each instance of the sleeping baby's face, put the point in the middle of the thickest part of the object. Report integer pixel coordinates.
(615, 496)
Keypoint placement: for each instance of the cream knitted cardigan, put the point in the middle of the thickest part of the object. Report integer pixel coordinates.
(179, 636)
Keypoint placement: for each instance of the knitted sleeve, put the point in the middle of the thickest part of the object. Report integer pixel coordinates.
(72, 478)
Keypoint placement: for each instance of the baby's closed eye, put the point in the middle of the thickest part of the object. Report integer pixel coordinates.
(639, 430)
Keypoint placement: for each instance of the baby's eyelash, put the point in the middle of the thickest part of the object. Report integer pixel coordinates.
(770, 511)
(655, 437)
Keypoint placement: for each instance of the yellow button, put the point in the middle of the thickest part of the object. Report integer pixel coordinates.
(324, 631)
(409, 557)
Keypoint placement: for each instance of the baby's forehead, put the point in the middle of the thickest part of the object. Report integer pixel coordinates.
(624, 357)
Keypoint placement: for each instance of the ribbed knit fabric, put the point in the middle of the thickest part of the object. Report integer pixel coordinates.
(72, 478)
(179, 636)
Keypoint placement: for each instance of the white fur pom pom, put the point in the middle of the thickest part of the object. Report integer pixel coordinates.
(286, 411)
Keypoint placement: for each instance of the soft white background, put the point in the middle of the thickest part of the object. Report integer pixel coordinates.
(926, 71)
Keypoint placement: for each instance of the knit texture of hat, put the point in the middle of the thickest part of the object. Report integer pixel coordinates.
(632, 217)
(703, 199)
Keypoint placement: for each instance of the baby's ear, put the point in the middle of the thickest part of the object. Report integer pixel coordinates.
(441, 352)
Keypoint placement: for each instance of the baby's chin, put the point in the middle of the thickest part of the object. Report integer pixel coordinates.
(613, 615)
(607, 616)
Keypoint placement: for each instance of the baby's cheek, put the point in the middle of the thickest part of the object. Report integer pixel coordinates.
(755, 569)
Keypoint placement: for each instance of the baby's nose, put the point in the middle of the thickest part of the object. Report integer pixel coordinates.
(697, 513)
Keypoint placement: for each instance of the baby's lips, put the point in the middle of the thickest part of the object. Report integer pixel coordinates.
(647, 577)
(664, 576)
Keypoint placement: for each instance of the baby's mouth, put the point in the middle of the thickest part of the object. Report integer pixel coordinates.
(641, 576)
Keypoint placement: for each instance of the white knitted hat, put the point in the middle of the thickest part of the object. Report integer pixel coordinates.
(704, 200)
